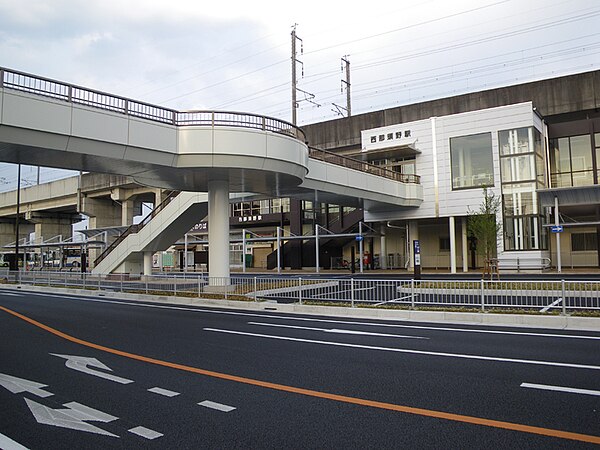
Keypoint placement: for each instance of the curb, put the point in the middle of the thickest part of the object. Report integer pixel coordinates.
(458, 318)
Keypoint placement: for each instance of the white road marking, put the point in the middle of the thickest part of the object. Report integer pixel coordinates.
(336, 330)
(146, 432)
(18, 385)
(7, 443)
(82, 363)
(554, 303)
(571, 390)
(416, 352)
(217, 406)
(165, 392)
(309, 319)
(73, 417)
(11, 294)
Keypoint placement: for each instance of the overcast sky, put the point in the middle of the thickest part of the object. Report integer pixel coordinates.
(236, 55)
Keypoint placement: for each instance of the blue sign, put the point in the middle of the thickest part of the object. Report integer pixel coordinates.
(556, 228)
(417, 246)
(417, 253)
(359, 238)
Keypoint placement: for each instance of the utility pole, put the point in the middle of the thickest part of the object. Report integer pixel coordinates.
(294, 78)
(307, 95)
(347, 82)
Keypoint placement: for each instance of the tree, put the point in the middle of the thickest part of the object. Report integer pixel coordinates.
(482, 224)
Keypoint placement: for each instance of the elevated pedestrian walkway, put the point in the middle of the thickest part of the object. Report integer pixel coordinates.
(50, 123)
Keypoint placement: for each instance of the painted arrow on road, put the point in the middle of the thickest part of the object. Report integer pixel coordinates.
(85, 364)
(74, 417)
(18, 385)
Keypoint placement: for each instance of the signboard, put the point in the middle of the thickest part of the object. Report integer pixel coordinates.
(358, 238)
(556, 228)
(417, 258)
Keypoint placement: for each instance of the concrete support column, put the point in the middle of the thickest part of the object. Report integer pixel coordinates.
(413, 234)
(452, 244)
(147, 263)
(49, 227)
(127, 212)
(465, 245)
(383, 249)
(218, 232)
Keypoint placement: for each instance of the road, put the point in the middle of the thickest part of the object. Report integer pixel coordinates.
(94, 372)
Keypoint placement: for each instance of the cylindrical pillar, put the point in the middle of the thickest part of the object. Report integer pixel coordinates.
(383, 249)
(218, 232)
(452, 244)
(465, 247)
(147, 263)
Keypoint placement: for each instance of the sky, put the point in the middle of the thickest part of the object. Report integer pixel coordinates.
(236, 55)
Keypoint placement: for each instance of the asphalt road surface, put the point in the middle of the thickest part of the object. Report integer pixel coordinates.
(102, 373)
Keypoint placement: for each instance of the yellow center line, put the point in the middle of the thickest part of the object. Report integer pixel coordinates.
(318, 394)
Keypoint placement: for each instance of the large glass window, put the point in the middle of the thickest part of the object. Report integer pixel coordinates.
(472, 163)
(522, 171)
(571, 162)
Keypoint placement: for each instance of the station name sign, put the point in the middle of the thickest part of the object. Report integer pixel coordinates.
(390, 136)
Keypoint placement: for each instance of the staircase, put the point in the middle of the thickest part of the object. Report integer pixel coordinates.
(328, 246)
(170, 220)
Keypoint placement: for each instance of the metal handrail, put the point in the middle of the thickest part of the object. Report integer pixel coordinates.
(135, 228)
(71, 93)
(22, 81)
(356, 164)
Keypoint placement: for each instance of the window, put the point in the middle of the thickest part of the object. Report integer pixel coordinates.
(444, 244)
(583, 242)
(571, 162)
(472, 163)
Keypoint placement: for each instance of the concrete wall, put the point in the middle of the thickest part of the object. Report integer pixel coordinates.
(563, 95)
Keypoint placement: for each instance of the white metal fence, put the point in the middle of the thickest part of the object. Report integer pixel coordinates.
(542, 296)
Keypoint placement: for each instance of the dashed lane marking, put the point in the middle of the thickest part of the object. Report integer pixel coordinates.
(318, 394)
(217, 406)
(165, 392)
(146, 433)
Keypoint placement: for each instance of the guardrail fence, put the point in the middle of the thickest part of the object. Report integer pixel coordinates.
(481, 295)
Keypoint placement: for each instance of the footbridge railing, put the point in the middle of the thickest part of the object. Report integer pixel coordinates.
(71, 93)
(74, 94)
(356, 164)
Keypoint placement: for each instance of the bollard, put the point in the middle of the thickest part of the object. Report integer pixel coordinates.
(564, 299)
(482, 297)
